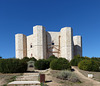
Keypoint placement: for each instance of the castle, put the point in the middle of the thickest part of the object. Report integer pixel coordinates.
(42, 44)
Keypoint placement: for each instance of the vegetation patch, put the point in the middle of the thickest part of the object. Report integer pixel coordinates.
(51, 58)
(12, 66)
(42, 64)
(67, 75)
(77, 59)
(60, 64)
(26, 59)
(89, 65)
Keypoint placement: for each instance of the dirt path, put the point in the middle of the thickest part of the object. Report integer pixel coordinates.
(86, 79)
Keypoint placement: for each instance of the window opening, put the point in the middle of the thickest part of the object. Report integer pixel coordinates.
(52, 43)
(31, 45)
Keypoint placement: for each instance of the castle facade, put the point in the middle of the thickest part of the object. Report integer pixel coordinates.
(42, 44)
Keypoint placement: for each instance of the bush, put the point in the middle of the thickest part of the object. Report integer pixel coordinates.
(96, 59)
(12, 66)
(60, 64)
(42, 64)
(33, 59)
(26, 59)
(77, 59)
(67, 75)
(89, 65)
(51, 58)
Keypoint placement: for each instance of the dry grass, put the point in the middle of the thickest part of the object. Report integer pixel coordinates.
(67, 75)
(5, 78)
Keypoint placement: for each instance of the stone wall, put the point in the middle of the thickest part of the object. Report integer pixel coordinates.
(30, 46)
(53, 43)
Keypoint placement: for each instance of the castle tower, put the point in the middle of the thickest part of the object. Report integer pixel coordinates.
(77, 45)
(21, 46)
(39, 41)
(66, 44)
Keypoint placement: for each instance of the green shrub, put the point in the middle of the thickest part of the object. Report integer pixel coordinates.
(26, 59)
(12, 66)
(67, 75)
(96, 59)
(33, 59)
(87, 58)
(60, 64)
(85, 65)
(51, 58)
(77, 59)
(42, 64)
(89, 65)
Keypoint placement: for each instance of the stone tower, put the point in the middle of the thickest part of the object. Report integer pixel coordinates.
(21, 46)
(77, 45)
(39, 41)
(66, 43)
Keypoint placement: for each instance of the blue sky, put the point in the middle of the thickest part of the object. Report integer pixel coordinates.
(19, 16)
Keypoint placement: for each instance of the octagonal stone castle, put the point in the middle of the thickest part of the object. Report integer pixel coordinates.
(42, 44)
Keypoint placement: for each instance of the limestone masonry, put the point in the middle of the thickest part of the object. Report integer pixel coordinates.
(42, 44)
